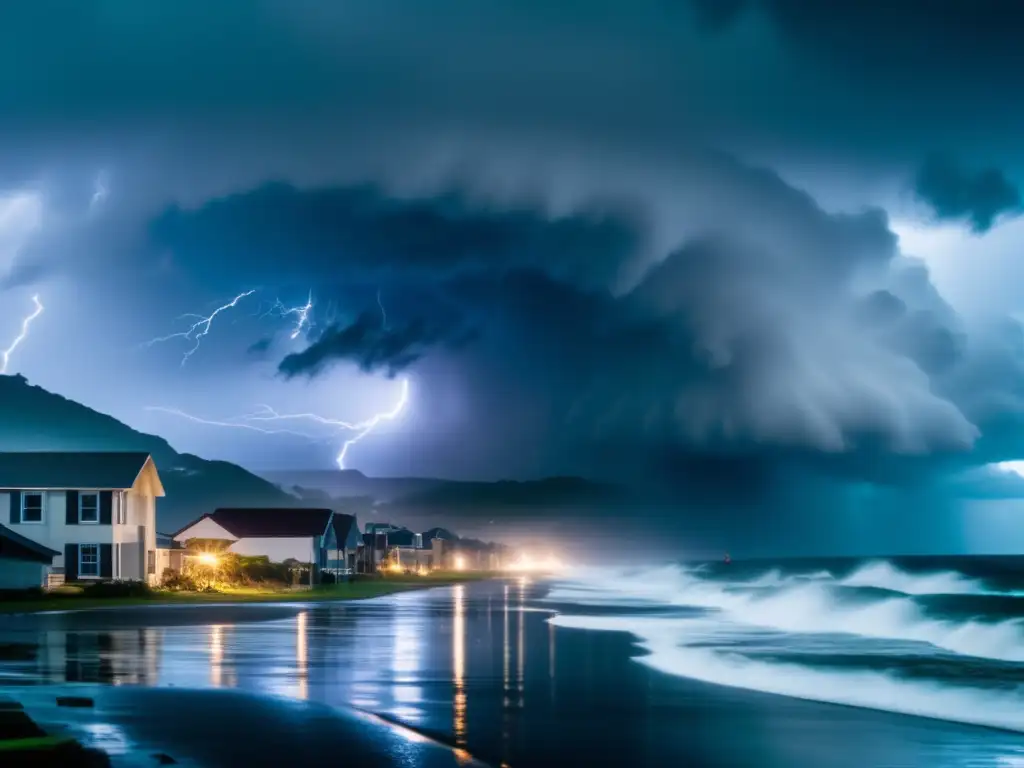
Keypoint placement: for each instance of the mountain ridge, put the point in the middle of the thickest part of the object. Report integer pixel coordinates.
(35, 419)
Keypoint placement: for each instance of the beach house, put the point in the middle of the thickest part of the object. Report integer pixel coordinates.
(344, 556)
(279, 534)
(97, 510)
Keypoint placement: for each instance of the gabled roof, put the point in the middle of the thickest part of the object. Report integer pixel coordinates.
(72, 469)
(439, 533)
(343, 525)
(268, 522)
(17, 546)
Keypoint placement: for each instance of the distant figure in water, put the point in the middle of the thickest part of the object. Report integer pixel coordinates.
(727, 558)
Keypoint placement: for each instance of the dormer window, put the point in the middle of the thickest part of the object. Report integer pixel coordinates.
(88, 507)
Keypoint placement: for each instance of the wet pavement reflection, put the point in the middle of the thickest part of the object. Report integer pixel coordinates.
(475, 667)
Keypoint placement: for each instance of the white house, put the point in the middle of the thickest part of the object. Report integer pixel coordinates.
(23, 562)
(279, 534)
(97, 509)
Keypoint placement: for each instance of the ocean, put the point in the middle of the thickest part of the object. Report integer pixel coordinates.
(934, 637)
(800, 664)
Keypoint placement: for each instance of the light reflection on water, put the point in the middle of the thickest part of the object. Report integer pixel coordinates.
(459, 664)
(415, 657)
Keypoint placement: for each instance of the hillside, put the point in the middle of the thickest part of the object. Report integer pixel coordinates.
(33, 419)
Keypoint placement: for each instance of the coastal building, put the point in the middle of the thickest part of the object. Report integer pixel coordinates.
(170, 554)
(23, 562)
(343, 558)
(279, 534)
(442, 544)
(97, 510)
(405, 551)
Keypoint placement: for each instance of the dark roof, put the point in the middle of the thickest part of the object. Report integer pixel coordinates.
(401, 538)
(269, 522)
(343, 525)
(17, 546)
(83, 469)
(439, 533)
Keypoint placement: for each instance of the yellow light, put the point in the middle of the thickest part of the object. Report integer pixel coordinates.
(460, 563)
(395, 568)
(207, 558)
(526, 563)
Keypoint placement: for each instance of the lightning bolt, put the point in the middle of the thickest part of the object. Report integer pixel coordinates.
(200, 328)
(383, 314)
(372, 423)
(5, 355)
(361, 428)
(99, 191)
(233, 423)
(301, 314)
(266, 414)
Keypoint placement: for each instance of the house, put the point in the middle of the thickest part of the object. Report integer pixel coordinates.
(404, 549)
(342, 559)
(382, 528)
(97, 510)
(23, 562)
(170, 554)
(280, 534)
(442, 534)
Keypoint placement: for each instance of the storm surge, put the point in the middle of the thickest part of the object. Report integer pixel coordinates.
(874, 635)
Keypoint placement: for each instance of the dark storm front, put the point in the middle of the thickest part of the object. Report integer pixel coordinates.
(479, 667)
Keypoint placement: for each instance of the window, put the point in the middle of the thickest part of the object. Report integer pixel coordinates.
(151, 561)
(122, 508)
(32, 508)
(89, 560)
(117, 561)
(419, 541)
(89, 508)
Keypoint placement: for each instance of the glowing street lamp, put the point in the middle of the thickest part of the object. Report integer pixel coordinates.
(207, 558)
(460, 563)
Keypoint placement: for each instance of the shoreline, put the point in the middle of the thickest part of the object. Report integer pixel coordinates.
(363, 589)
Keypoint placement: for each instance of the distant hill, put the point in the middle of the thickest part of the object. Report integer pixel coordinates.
(465, 506)
(33, 419)
(344, 483)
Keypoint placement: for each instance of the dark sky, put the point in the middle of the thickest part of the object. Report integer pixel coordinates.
(617, 238)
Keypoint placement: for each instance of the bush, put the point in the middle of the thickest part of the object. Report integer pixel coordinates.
(176, 581)
(17, 595)
(326, 577)
(117, 589)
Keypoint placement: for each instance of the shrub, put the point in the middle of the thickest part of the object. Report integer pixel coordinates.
(117, 589)
(326, 577)
(17, 595)
(176, 581)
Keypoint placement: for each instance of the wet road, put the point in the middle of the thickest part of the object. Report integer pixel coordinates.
(476, 667)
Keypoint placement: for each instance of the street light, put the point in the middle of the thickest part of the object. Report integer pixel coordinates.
(460, 563)
(207, 558)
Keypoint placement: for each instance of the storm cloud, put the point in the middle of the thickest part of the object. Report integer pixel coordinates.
(956, 194)
(648, 240)
(800, 331)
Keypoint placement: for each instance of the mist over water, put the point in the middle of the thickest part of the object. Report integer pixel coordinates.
(918, 639)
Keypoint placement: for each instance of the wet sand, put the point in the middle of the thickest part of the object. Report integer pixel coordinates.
(477, 666)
